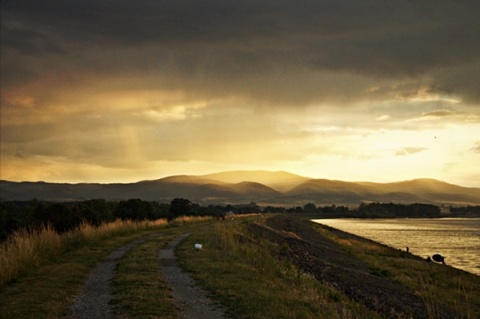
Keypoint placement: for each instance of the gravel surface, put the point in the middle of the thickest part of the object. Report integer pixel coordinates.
(93, 301)
(192, 300)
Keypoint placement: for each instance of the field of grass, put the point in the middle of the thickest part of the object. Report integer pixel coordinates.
(239, 272)
(242, 274)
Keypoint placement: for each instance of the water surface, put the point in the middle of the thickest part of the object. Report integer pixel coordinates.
(456, 238)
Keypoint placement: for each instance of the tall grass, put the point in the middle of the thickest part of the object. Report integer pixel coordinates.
(26, 249)
(190, 220)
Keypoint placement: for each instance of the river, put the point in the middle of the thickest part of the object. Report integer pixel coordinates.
(458, 239)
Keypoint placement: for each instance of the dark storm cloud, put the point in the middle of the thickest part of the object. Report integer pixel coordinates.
(147, 21)
(251, 43)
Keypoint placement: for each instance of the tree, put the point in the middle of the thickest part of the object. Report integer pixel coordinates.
(95, 211)
(133, 209)
(60, 216)
(159, 210)
(180, 207)
(309, 208)
(9, 219)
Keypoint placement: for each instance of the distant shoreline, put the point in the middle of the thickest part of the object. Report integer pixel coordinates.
(415, 252)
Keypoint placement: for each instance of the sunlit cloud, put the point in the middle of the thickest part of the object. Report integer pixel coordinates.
(382, 117)
(426, 95)
(446, 116)
(408, 150)
(476, 148)
(323, 89)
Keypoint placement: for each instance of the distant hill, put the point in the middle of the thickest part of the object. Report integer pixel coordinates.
(262, 187)
(280, 181)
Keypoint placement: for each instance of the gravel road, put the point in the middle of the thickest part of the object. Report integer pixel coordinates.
(93, 301)
(192, 300)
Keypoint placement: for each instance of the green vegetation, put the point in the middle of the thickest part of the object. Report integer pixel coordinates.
(243, 275)
(382, 210)
(465, 211)
(66, 216)
(138, 290)
(45, 270)
(47, 290)
(42, 271)
(25, 249)
(435, 283)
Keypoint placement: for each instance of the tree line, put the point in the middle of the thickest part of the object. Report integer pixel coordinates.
(65, 216)
(465, 211)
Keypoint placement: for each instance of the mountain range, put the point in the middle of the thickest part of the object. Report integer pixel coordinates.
(261, 187)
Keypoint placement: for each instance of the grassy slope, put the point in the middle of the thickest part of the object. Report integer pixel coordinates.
(435, 283)
(243, 275)
(240, 273)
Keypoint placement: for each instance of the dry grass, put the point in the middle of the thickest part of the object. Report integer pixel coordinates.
(190, 220)
(30, 248)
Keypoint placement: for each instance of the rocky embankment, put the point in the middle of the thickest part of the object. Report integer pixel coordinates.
(327, 261)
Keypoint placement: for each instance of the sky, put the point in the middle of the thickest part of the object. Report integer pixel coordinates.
(122, 91)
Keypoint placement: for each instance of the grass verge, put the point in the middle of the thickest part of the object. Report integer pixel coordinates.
(241, 273)
(138, 290)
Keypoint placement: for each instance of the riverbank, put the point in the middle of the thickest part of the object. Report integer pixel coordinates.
(457, 239)
(384, 281)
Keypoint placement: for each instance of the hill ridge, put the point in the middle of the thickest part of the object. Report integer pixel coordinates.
(269, 187)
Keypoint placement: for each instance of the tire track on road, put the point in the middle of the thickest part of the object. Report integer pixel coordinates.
(191, 299)
(94, 300)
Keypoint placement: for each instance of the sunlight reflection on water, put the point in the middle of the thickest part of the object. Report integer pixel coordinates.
(456, 238)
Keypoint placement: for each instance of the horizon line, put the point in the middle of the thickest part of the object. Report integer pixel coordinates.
(234, 171)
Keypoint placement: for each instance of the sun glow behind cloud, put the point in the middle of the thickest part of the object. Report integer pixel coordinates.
(332, 91)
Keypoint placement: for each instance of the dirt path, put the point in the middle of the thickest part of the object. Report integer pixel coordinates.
(192, 300)
(93, 301)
